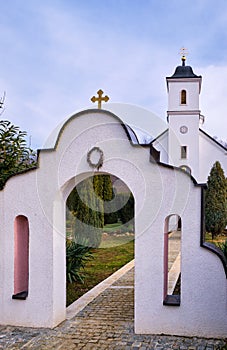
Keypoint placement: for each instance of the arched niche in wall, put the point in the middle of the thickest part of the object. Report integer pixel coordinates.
(172, 260)
(21, 257)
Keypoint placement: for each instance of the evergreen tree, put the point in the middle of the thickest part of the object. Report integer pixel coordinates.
(91, 204)
(107, 188)
(15, 156)
(104, 190)
(126, 213)
(98, 185)
(86, 206)
(98, 192)
(86, 202)
(215, 201)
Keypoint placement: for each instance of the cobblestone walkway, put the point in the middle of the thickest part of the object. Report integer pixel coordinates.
(105, 323)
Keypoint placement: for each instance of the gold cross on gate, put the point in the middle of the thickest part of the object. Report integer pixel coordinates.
(99, 99)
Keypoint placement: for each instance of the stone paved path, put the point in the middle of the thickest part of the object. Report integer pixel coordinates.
(174, 260)
(174, 247)
(105, 323)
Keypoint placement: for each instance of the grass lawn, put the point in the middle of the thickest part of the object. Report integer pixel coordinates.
(113, 241)
(115, 253)
(218, 239)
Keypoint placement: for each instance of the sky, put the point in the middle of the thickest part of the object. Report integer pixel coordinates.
(56, 54)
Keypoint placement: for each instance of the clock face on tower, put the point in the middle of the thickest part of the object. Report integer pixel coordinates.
(183, 129)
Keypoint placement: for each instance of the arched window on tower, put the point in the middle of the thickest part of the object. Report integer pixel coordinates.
(21, 257)
(183, 97)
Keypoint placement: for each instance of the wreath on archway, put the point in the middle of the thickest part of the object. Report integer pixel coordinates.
(95, 158)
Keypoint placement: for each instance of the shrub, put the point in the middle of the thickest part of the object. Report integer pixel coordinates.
(76, 257)
(15, 156)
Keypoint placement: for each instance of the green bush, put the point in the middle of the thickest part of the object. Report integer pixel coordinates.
(15, 156)
(76, 257)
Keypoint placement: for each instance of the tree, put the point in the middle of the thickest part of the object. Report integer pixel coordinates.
(104, 190)
(91, 204)
(215, 201)
(126, 212)
(87, 207)
(15, 156)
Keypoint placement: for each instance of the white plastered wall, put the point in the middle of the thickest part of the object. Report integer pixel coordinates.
(192, 87)
(41, 194)
(209, 153)
(203, 307)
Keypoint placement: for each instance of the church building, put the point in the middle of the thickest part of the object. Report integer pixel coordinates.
(184, 143)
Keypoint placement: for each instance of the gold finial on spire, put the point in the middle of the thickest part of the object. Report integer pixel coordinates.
(99, 99)
(183, 52)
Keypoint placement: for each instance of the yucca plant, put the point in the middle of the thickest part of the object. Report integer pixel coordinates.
(76, 257)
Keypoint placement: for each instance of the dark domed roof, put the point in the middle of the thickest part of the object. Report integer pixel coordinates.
(184, 72)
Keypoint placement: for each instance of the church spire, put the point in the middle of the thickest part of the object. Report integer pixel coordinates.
(183, 58)
(183, 71)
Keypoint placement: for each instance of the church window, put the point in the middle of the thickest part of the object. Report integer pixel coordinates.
(183, 152)
(183, 97)
(21, 257)
(172, 260)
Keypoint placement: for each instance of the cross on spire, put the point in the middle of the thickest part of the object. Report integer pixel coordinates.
(100, 98)
(183, 52)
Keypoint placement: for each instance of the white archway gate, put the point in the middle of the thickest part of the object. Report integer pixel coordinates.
(158, 190)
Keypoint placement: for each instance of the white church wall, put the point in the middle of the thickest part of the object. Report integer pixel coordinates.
(209, 153)
(161, 145)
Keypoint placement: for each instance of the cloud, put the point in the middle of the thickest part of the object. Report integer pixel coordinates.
(58, 54)
(77, 63)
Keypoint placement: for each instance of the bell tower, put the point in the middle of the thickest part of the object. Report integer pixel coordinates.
(183, 116)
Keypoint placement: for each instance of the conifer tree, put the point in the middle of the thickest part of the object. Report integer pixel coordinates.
(86, 202)
(215, 201)
(107, 188)
(104, 189)
(86, 206)
(97, 189)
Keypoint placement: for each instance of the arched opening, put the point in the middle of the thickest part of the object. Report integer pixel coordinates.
(99, 227)
(186, 169)
(21, 257)
(172, 260)
(183, 97)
